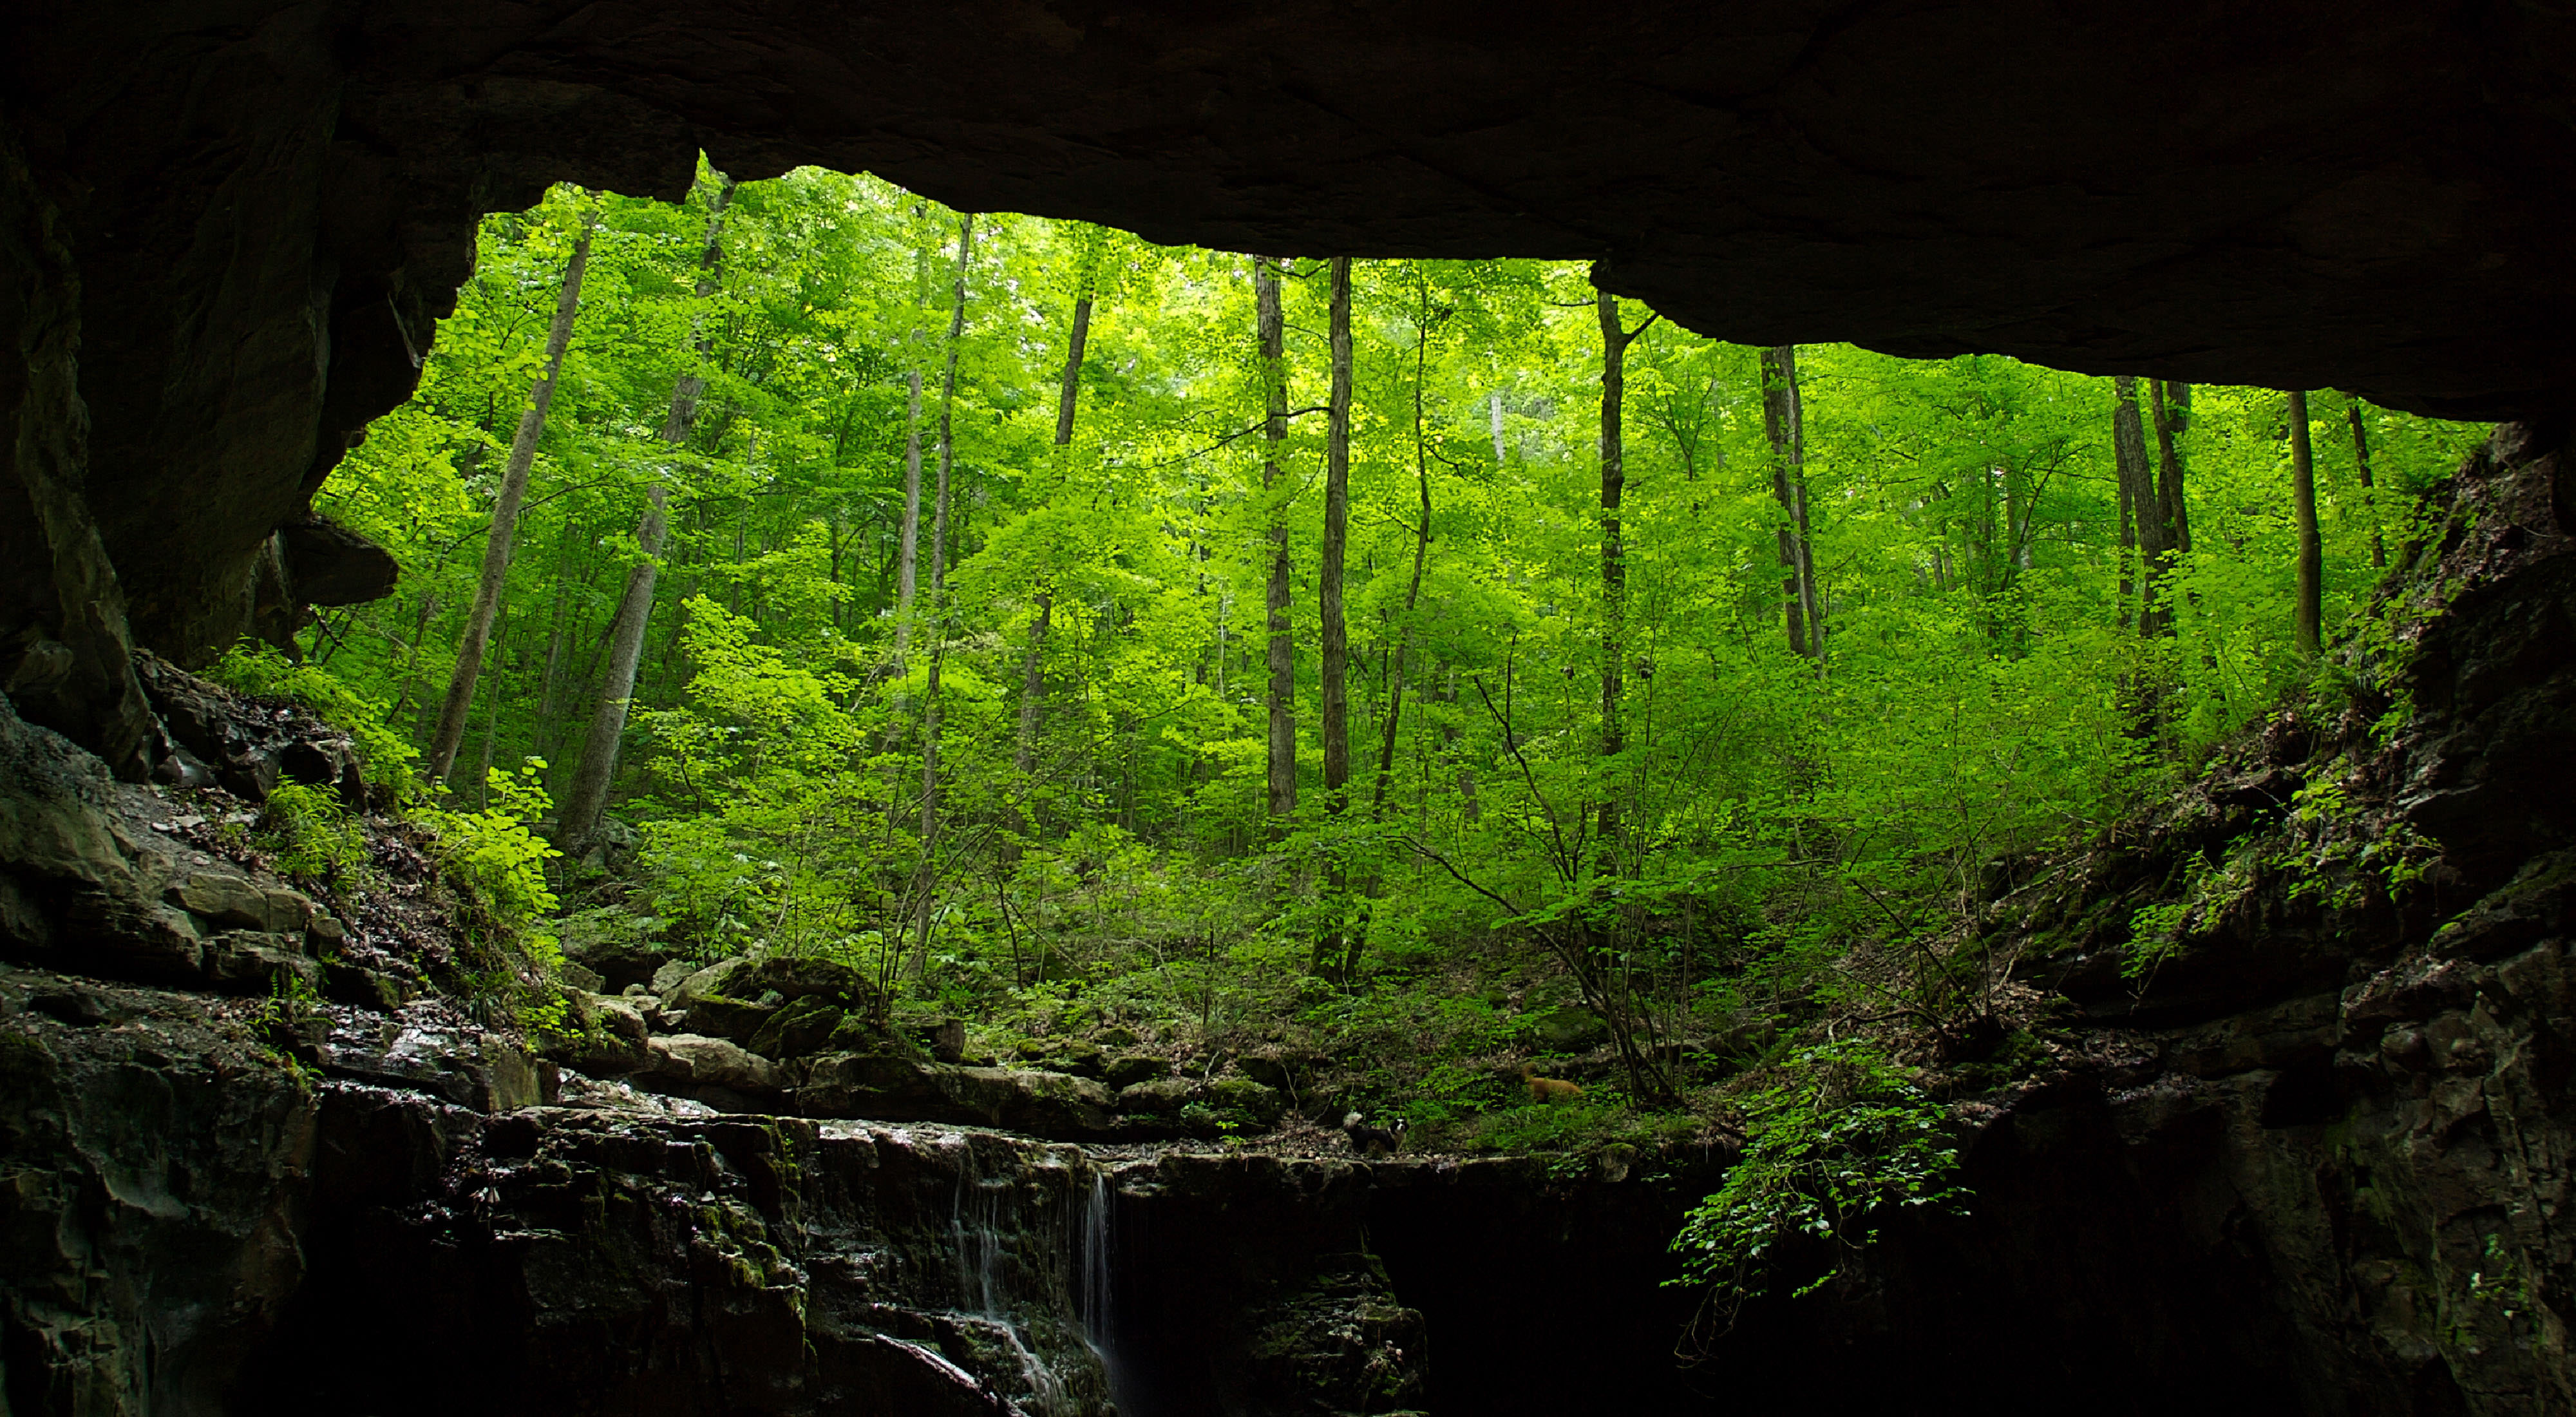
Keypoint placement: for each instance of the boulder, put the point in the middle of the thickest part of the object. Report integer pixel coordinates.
(254, 961)
(896, 1089)
(611, 945)
(750, 977)
(694, 1062)
(461, 1065)
(798, 1028)
(365, 988)
(1280, 1068)
(1162, 1097)
(1264, 1105)
(610, 1039)
(249, 744)
(1125, 1072)
(720, 1016)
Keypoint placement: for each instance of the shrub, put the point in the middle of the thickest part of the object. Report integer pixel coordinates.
(500, 862)
(310, 835)
(1844, 1140)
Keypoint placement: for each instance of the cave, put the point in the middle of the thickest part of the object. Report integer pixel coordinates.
(230, 232)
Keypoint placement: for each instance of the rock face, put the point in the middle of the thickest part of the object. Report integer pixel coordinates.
(229, 235)
(2322, 1153)
(194, 1226)
(152, 1217)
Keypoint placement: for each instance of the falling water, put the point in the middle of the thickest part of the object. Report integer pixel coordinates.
(1098, 1299)
(980, 1226)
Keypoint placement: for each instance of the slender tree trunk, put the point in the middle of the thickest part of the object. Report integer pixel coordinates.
(1337, 949)
(2309, 618)
(2161, 534)
(2369, 494)
(1271, 330)
(1494, 417)
(1614, 549)
(1336, 653)
(2173, 420)
(2142, 523)
(1784, 421)
(491, 723)
(577, 824)
(929, 877)
(907, 574)
(505, 524)
(685, 391)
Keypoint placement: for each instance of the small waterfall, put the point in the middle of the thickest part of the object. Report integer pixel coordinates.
(997, 1248)
(1096, 1293)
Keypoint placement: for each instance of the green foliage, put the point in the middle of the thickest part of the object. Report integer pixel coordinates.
(310, 834)
(1836, 1147)
(493, 851)
(291, 1004)
(1098, 852)
(2159, 932)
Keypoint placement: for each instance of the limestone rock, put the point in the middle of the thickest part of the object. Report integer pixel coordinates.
(328, 564)
(1161, 1096)
(798, 1028)
(693, 1061)
(898, 1089)
(1126, 1072)
(1265, 1105)
(254, 961)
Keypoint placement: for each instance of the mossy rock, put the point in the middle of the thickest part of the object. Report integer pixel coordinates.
(1134, 1068)
(799, 1028)
(1161, 1097)
(1264, 1105)
(864, 1037)
(723, 1016)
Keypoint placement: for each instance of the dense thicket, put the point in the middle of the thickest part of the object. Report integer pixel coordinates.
(997, 644)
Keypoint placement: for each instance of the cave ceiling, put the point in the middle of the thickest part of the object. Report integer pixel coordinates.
(268, 204)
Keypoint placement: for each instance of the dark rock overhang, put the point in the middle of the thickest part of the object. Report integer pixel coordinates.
(252, 214)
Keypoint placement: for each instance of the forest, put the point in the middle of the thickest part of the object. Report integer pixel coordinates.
(1432, 667)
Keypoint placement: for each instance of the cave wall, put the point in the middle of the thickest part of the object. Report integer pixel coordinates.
(262, 208)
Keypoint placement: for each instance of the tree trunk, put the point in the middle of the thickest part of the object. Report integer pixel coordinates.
(577, 824)
(1614, 546)
(2160, 517)
(505, 524)
(1270, 328)
(2308, 619)
(2173, 419)
(1784, 421)
(907, 574)
(929, 876)
(2142, 524)
(2369, 494)
(1336, 653)
(683, 419)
